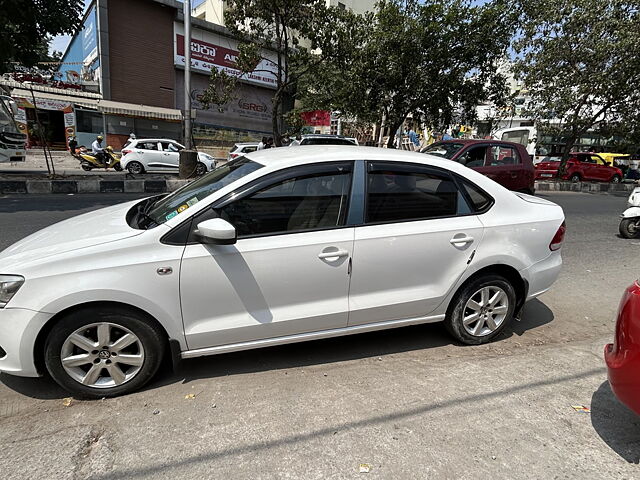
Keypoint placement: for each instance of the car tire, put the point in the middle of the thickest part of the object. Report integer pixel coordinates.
(135, 168)
(615, 179)
(575, 178)
(473, 299)
(80, 365)
(201, 169)
(628, 228)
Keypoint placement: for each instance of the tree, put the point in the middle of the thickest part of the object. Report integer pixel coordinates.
(435, 60)
(580, 62)
(27, 26)
(280, 26)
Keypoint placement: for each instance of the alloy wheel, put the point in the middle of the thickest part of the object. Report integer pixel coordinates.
(485, 311)
(102, 355)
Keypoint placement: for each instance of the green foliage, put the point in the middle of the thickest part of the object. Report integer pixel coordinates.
(280, 26)
(580, 61)
(220, 91)
(27, 26)
(435, 60)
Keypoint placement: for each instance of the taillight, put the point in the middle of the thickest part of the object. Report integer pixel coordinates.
(124, 152)
(558, 238)
(233, 155)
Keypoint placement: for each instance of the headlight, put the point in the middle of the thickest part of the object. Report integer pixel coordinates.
(9, 285)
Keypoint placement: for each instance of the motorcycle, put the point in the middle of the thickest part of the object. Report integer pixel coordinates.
(630, 223)
(89, 161)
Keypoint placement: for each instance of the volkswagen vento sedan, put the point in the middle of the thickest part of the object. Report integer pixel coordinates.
(277, 246)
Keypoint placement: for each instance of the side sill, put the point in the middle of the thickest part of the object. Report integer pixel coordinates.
(302, 337)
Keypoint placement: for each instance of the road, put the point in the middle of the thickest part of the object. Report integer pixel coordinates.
(409, 403)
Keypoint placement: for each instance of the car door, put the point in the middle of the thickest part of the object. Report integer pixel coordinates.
(590, 167)
(504, 165)
(287, 274)
(418, 236)
(149, 154)
(170, 156)
(602, 171)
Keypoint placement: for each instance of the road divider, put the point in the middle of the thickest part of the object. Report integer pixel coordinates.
(91, 185)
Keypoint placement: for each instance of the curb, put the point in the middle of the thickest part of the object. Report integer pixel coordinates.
(91, 186)
(585, 187)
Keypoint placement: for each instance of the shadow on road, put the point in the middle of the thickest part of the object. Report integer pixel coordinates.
(317, 352)
(618, 426)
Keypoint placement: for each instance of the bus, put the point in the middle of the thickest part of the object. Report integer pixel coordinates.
(12, 142)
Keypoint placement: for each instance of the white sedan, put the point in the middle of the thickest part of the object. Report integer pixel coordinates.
(159, 155)
(278, 246)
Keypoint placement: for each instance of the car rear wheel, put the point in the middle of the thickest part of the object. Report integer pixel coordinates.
(135, 168)
(615, 179)
(103, 353)
(575, 178)
(481, 309)
(628, 227)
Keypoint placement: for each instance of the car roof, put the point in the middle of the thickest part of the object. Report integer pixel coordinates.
(284, 157)
(244, 144)
(472, 141)
(322, 135)
(155, 140)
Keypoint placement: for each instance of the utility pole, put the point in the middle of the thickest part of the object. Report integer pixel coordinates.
(188, 156)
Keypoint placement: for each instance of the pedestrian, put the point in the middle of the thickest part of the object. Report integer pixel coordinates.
(269, 143)
(73, 144)
(262, 144)
(297, 141)
(413, 138)
(447, 135)
(132, 136)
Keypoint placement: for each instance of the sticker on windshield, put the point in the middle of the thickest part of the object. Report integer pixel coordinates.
(193, 201)
(182, 208)
(171, 215)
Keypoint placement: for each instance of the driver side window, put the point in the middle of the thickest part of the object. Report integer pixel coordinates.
(474, 157)
(300, 202)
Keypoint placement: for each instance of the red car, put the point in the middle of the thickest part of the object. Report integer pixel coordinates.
(623, 355)
(507, 163)
(581, 166)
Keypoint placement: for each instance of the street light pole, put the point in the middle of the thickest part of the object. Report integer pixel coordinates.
(187, 74)
(188, 156)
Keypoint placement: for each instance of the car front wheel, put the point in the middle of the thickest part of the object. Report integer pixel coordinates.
(575, 178)
(615, 179)
(103, 353)
(481, 309)
(201, 169)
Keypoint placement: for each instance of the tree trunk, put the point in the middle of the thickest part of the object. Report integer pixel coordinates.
(275, 117)
(562, 169)
(394, 128)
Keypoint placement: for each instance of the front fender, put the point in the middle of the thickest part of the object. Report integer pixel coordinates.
(631, 212)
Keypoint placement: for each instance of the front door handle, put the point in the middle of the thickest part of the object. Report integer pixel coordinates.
(461, 240)
(333, 254)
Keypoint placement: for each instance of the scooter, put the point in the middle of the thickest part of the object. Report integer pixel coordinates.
(88, 161)
(630, 223)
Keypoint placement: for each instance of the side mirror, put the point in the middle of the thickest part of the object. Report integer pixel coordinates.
(216, 231)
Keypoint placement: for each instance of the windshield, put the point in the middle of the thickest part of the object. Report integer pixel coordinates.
(445, 150)
(7, 123)
(187, 196)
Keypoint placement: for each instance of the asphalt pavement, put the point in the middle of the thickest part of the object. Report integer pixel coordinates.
(406, 403)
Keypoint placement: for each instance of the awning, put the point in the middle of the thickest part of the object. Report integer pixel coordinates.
(133, 110)
(77, 100)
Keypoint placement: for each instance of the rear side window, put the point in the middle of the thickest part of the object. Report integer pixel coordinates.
(480, 201)
(147, 145)
(500, 155)
(403, 191)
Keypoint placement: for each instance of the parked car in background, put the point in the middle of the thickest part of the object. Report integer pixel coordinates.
(581, 166)
(277, 246)
(322, 139)
(623, 355)
(507, 163)
(159, 155)
(242, 148)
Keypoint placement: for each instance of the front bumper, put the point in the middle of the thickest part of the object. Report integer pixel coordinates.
(19, 329)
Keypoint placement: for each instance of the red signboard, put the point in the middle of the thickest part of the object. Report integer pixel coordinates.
(208, 52)
(317, 118)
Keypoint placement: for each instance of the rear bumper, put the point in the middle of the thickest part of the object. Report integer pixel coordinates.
(540, 276)
(19, 329)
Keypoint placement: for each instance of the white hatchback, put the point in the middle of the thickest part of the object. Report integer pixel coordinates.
(159, 155)
(277, 246)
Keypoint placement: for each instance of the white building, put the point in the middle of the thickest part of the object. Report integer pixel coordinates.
(213, 10)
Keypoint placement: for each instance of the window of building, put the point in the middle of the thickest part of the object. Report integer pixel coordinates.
(89, 121)
(402, 191)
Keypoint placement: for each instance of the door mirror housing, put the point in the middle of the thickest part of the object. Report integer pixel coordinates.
(216, 231)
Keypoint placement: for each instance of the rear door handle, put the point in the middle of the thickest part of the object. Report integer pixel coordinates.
(458, 240)
(333, 254)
